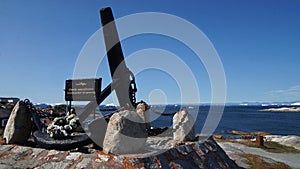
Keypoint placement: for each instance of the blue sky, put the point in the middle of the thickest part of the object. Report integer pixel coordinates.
(258, 43)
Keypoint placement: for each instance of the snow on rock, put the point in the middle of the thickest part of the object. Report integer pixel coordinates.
(296, 104)
(291, 140)
(282, 109)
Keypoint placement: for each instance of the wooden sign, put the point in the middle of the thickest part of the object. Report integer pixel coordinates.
(83, 90)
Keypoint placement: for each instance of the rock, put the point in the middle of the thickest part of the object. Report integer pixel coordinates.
(238, 132)
(217, 136)
(7, 105)
(59, 164)
(203, 153)
(142, 110)
(19, 125)
(247, 137)
(4, 113)
(83, 163)
(125, 134)
(257, 133)
(73, 156)
(183, 126)
(260, 133)
(58, 110)
(5, 110)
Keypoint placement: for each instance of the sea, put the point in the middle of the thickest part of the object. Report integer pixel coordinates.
(246, 118)
(239, 117)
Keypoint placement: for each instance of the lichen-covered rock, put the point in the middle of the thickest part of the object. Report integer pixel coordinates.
(183, 126)
(203, 153)
(125, 134)
(19, 124)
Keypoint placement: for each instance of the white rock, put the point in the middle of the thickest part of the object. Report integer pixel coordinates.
(18, 127)
(125, 134)
(142, 111)
(183, 126)
(73, 156)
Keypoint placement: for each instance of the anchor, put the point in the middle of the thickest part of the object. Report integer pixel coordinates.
(123, 80)
(123, 83)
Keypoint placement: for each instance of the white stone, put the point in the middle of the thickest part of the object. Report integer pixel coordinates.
(183, 126)
(142, 111)
(73, 156)
(125, 134)
(52, 152)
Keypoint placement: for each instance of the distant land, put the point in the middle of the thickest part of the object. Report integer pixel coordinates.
(275, 104)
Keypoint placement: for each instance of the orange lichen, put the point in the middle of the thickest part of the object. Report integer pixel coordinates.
(2, 142)
(101, 152)
(127, 163)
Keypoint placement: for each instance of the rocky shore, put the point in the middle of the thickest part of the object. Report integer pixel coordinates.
(277, 151)
(239, 151)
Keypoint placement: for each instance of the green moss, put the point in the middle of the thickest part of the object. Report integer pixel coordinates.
(257, 163)
(272, 147)
(269, 146)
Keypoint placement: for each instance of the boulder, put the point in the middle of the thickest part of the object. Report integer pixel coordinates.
(183, 126)
(19, 124)
(125, 134)
(142, 110)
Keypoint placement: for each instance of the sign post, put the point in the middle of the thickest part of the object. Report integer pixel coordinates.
(83, 90)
